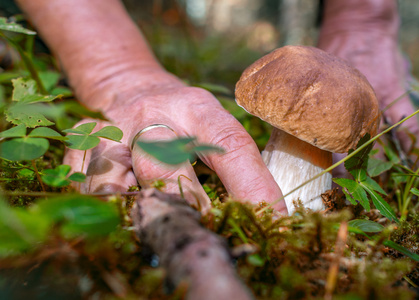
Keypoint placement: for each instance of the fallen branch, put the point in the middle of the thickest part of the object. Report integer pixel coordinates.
(191, 254)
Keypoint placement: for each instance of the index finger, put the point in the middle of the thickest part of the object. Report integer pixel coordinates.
(240, 168)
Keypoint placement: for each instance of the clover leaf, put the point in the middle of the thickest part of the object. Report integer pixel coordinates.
(83, 139)
(58, 177)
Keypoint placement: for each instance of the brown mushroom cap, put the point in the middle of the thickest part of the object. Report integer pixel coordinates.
(311, 94)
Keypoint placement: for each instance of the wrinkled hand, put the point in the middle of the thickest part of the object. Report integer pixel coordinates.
(365, 33)
(188, 111)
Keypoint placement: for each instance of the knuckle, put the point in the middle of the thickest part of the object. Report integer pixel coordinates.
(232, 139)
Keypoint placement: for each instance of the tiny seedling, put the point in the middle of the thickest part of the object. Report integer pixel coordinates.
(58, 177)
(82, 137)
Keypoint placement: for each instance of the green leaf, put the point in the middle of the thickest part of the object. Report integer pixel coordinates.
(23, 88)
(63, 91)
(169, 152)
(56, 177)
(82, 142)
(384, 208)
(26, 173)
(46, 132)
(391, 154)
(359, 175)
(76, 108)
(415, 191)
(177, 151)
(255, 260)
(359, 194)
(377, 167)
(23, 148)
(212, 194)
(28, 110)
(17, 131)
(360, 160)
(347, 184)
(11, 26)
(109, 132)
(37, 98)
(402, 250)
(85, 128)
(27, 115)
(371, 184)
(354, 192)
(49, 79)
(80, 215)
(78, 177)
(366, 225)
(8, 76)
(357, 231)
(20, 230)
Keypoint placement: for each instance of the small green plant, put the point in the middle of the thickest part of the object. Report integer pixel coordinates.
(86, 241)
(82, 137)
(22, 230)
(362, 186)
(58, 177)
(31, 114)
(17, 145)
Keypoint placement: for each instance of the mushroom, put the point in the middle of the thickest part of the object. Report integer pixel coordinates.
(317, 104)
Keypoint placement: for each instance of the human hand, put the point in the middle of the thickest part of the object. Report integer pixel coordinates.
(365, 33)
(188, 111)
(111, 68)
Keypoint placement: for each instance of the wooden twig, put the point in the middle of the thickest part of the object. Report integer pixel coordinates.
(192, 255)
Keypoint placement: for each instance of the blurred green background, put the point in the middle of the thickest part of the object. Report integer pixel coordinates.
(212, 41)
(208, 43)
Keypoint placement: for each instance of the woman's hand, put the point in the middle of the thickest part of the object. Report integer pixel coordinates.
(111, 68)
(365, 33)
(188, 111)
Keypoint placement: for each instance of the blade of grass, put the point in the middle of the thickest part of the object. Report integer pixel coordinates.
(338, 163)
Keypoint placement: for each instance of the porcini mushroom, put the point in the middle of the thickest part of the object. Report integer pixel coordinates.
(317, 104)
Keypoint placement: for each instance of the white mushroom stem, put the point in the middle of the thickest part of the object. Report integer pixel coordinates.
(292, 161)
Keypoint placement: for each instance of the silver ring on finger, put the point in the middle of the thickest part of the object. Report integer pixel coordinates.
(145, 129)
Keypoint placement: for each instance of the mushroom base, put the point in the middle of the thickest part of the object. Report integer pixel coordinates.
(292, 161)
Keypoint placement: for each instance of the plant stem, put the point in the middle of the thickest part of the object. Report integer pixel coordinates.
(28, 64)
(180, 185)
(84, 159)
(407, 195)
(38, 176)
(82, 167)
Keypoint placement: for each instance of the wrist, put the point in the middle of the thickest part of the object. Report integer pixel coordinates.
(124, 88)
(360, 16)
(100, 49)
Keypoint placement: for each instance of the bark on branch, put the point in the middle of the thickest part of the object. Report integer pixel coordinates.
(190, 253)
